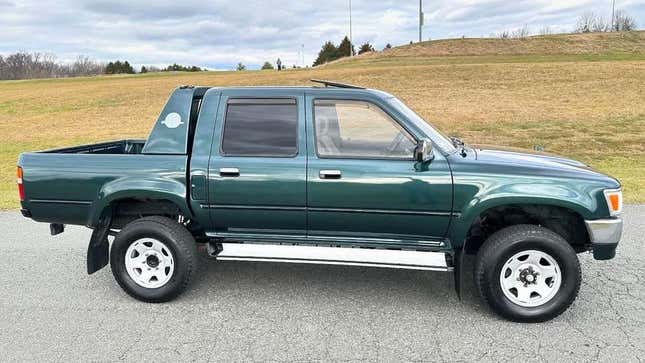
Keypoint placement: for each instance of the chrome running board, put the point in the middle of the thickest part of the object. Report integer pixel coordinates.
(412, 260)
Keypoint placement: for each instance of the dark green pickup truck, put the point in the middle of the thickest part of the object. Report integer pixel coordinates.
(336, 175)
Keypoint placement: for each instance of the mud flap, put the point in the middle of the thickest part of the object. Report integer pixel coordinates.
(457, 271)
(98, 249)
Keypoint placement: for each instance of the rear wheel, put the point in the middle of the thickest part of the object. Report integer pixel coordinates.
(154, 259)
(527, 273)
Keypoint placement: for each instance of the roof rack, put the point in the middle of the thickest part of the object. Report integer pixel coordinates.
(335, 84)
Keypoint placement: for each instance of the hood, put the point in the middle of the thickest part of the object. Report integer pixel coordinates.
(515, 160)
(528, 155)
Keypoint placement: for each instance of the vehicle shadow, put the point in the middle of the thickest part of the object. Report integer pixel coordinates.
(328, 282)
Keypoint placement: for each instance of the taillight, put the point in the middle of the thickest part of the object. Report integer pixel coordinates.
(21, 189)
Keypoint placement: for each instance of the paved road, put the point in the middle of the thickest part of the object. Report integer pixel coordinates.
(51, 310)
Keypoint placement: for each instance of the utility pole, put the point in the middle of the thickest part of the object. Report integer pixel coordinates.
(420, 20)
(350, 29)
(613, 6)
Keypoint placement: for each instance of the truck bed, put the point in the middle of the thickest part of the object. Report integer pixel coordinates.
(109, 147)
(61, 185)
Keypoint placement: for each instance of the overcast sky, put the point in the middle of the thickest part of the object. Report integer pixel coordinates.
(218, 34)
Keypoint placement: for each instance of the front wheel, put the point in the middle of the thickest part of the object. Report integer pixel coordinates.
(153, 259)
(527, 273)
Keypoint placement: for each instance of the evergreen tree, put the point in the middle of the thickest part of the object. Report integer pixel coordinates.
(143, 69)
(344, 48)
(240, 67)
(267, 65)
(119, 67)
(181, 68)
(327, 53)
(127, 68)
(365, 47)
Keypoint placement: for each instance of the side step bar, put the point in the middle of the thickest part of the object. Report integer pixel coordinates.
(412, 260)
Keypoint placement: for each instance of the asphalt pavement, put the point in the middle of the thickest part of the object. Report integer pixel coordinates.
(51, 310)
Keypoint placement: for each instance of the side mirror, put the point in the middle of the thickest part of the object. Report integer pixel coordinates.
(423, 152)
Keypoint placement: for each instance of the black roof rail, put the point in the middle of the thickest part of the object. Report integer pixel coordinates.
(335, 84)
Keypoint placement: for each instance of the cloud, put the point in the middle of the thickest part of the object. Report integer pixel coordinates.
(218, 33)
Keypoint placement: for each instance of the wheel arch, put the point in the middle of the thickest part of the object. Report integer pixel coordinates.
(473, 211)
(162, 192)
(560, 216)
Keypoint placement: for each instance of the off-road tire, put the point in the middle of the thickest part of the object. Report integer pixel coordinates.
(176, 237)
(504, 244)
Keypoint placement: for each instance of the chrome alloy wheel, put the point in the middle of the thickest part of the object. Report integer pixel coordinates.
(149, 263)
(530, 278)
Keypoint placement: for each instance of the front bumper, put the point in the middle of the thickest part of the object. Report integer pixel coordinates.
(604, 235)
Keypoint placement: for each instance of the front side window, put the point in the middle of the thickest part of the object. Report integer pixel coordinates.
(260, 127)
(357, 129)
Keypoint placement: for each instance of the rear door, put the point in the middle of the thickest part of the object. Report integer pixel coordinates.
(257, 169)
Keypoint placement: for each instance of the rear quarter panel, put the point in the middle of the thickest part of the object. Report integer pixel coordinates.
(74, 188)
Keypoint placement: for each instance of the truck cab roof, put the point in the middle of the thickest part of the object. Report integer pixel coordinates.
(172, 133)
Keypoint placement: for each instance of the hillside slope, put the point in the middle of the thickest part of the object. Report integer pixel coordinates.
(591, 46)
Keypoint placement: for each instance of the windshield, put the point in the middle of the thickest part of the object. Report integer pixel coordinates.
(437, 137)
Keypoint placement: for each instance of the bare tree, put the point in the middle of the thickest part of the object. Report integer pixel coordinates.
(84, 66)
(623, 22)
(599, 25)
(590, 22)
(545, 30)
(585, 23)
(504, 34)
(521, 33)
(3, 67)
(24, 65)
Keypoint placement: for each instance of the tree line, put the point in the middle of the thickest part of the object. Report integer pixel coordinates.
(23, 65)
(591, 23)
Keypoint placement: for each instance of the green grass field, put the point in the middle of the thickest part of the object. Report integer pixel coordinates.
(581, 96)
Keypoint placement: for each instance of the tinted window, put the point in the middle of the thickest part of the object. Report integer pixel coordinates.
(356, 129)
(260, 128)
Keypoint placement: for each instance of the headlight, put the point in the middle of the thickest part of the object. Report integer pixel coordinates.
(614, 198)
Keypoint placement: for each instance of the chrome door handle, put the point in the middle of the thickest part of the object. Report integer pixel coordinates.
(229, 172)
(330, 174)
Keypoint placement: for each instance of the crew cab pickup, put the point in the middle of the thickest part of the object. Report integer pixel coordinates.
(337, 175)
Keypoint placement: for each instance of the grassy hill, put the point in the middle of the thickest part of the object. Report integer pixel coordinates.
(544, 48)
(588, 105)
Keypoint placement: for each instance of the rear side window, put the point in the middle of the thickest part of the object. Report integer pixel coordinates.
(260, 127)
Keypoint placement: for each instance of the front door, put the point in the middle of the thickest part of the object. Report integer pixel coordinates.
(257, 170)
(364, 184)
